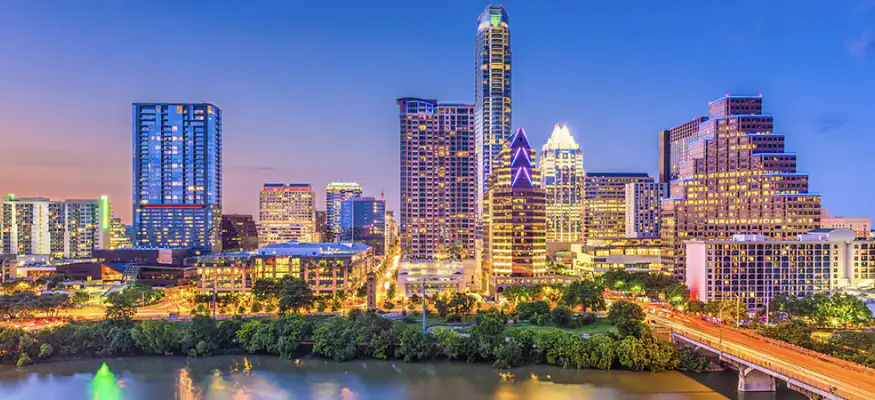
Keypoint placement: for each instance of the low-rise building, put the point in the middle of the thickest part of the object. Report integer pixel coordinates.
(862, 227)
(329, 268)
(596, 256)
(751, 269)
(437, 276)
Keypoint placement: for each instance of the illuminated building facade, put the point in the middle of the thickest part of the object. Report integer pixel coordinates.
(177, 175)
(598, 256)
(391, 229)
(322, 226)
(363, 220)
(674, 147)
(68, 229)
(643, 201)
(492, 94)
(737, 180)
(239, 232)
(438, 179)
(515, 221)
(118, 235)
(862, 226)
(438, 277)
(752, 269)
(335, 194)
(604, 203)
(286, 212)
(561, 165)
(328, 268)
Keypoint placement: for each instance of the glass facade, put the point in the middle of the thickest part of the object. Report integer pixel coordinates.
(363, 219)
(604, 203)
(177, 175)
(561, 165)
(335, 194)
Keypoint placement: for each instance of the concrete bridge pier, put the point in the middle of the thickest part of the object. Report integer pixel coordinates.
(754, 380)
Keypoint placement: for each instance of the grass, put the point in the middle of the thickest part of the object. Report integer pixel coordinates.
(601, 325)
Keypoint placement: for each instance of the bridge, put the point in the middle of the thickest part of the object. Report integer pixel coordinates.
(761, 361)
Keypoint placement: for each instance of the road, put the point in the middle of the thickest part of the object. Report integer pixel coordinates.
(850, 381)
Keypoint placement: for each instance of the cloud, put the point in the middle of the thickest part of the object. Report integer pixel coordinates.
(862, 46)
(828, 123)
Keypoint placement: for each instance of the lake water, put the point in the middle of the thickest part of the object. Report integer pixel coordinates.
(266, 377)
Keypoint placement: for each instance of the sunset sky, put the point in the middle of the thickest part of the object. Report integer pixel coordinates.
(308, 89)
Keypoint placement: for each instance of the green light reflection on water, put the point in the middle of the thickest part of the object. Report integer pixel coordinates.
(104, 385)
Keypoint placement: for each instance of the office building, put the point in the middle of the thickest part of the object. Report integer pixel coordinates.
(561, 165)
(286, 212)
(752, 268)
(675, 145)
(391, 230)
(177, 175)
(492, 94)
(68, 229)
(322, 226)
(363, 220)
(604, 203)
(118, 235)
(862, 226)
(328, 268)
(239, 232)
(643, 205)
(598, 256)
(737, 180)
(437, 179)
(438, 277)
(335, 194)
(515, 221)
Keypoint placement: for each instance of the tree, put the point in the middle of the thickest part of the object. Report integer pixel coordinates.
(677, 294)
(294, 294)
(80, 298)
(728, 311)
(488, 334)
(695, 307)
(122, 306)
(627, 317)
(561, 316)
(527, 311)
(795, 332)
(462, 303)
(585, 293)
(265, 289)
(157, 337)
(415, 345)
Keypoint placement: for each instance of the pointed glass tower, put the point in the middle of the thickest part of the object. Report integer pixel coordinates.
(514, 221)
(561, 165)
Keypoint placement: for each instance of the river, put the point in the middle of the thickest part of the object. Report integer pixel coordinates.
(266, 377)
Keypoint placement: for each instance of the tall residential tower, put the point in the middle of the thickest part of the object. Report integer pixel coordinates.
(177, 175)
(438, 181)
(335, 194)
(285, 213)
(492, 93)
(561, 165)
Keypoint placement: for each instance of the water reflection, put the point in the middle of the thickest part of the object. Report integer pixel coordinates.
(263, 377)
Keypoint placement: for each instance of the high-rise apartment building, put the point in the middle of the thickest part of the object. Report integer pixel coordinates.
(737, 180)
(438, 179)
(604, 203)
(177, 175)
(118, 235)
(643, 205)
(363, 220)
(59, 229)
(286, 212)
(335, 194)
(239, 233)
(492, 93)
(561, 165)
(515, 221)
(321, 226)
(752, 269)
(391, 229)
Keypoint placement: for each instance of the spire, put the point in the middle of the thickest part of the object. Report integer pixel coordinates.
(561, 139)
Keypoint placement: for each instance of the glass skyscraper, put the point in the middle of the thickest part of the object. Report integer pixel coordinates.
(561, 165)
(363, 220)
(492, 94)
(335, 194)
(177, 175)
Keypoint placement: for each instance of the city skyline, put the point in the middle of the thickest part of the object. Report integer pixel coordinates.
(61, 161)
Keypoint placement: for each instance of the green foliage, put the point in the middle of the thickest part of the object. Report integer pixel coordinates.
(336, 340)
(729, 310)
(414, 345)
(46, 350)
(627, 317)
(488, 334)
(677, 294)
(561, 316)
(451, 344)
(198, 337)
(157, 337)
(795, 332)
(646, 353)
(24, 360)
(689, 360)
(518, 293)
(585, 293)
(527, 311)
(695, 307)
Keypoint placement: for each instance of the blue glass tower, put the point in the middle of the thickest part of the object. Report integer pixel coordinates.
(363, 220)
(177, 174)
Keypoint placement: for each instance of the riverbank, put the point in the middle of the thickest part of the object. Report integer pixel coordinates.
(358, 336)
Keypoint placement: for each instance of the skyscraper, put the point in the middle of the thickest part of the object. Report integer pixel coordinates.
(321, 226)
(335, 194)
(643, 209)
(515, 224)
(286, 212)
(239, 233)
(118, 235)
(604, 203)
(674, 147)
(492, 93)
(177, 175)
(736, 179)
(60, 229)
(438, 180)
(363, 220)
(561, 165)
